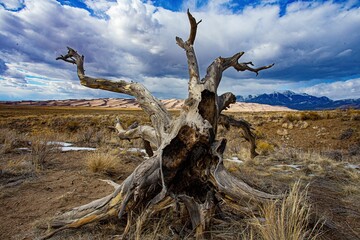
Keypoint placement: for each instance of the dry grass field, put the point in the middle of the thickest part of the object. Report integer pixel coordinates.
(313, 156)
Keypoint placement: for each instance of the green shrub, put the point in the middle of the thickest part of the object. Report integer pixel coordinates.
(292, 117)
(310, 116)
(72, 126)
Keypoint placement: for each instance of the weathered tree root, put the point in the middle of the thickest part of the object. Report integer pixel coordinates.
(186, 167)
(228, 121)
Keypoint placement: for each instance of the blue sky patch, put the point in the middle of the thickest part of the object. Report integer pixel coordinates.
(13, 6)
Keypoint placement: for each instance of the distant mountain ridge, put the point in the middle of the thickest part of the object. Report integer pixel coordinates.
(300, 101)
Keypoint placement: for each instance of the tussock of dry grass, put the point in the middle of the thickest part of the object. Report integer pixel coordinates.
(264, 148)
(18, 167)
(287, 219)
(9, 140)
(102, 162)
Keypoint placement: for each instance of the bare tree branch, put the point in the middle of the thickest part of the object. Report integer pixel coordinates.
(144, 132)
(225, 100)
(159, 116)
(134, 131)
(233, 62)
(228, 121)
(193, 27)
(194, 76)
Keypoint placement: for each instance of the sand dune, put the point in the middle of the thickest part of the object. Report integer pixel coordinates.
(171, 104)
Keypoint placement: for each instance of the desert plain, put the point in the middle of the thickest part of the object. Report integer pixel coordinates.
(317, 151)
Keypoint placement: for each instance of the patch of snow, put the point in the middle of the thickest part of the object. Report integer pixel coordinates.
(23, 149)
(234, 159)
(63, 144)
(297, 167)
(66, 149)
(352, 166)
(294, 166)
(134, 150)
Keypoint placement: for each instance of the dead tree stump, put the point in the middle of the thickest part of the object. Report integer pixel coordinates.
(187, 165)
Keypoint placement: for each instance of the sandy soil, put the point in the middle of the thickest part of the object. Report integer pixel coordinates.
(28, 198)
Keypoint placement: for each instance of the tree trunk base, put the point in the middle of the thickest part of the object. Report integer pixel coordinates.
(186, 170)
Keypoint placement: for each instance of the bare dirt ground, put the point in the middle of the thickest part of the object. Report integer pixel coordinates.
(324, 151)
(27, 200)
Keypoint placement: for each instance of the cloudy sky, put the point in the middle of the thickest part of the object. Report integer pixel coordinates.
(315, 45)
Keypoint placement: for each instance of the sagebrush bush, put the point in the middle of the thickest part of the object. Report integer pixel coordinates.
(259, 134)
(85, 135)
(72, 126)
(264, 147)
(291, 117)
(310, 116)
(42, 150)
(355, 117)
(346, 134)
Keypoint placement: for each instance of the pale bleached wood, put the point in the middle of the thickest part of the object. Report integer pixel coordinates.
(157, 112)
(228, 121)
(187, 155)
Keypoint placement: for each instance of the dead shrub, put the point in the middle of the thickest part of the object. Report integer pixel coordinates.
(85, 135)
(102, 136)
(284, 155)
(355, 117)
(42, 150)
(346, 134)
(336, 155)
(259, 134)
(8, 140)
(354, 150)
(264, 147)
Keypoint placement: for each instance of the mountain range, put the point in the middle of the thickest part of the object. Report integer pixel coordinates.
(300, 101)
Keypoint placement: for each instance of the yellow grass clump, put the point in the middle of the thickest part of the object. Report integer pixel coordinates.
(264, 147)
(102, 162)
(8, 140)
(287, 219)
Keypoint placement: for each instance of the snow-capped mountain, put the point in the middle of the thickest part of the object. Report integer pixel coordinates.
(300, 101)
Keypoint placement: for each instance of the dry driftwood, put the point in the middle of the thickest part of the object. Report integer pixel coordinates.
(187, 166)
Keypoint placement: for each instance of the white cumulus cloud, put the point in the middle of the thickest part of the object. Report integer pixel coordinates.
(135, 40)
(336, 90)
